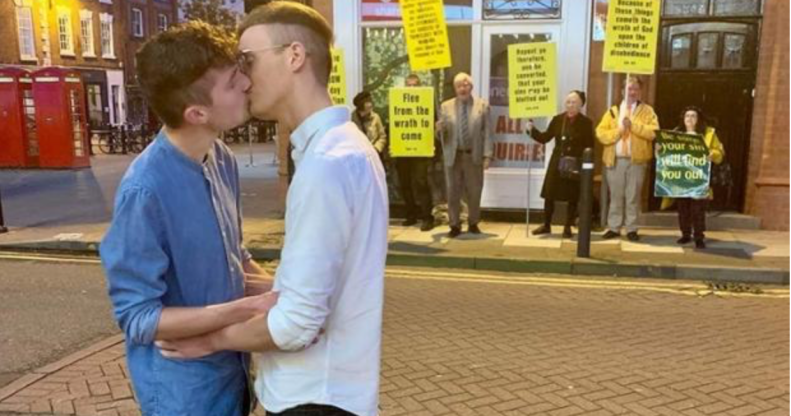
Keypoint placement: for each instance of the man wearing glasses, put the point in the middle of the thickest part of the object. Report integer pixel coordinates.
(173, 255)
(321, 342)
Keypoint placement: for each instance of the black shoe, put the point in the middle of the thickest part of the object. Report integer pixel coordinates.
(684, 240)
(473, 229)
(454, 232)
(427, 225)
(700, 244)
(544, 229)
(610, 234)
(409, 222)
(567, 232)
(632, 236)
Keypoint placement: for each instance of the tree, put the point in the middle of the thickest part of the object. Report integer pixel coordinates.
(210, 11)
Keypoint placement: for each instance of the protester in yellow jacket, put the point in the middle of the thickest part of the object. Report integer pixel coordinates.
(627, 133)
(692, 212)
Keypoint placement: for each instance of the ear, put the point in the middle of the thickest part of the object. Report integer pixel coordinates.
(297, 56)
(196, 114)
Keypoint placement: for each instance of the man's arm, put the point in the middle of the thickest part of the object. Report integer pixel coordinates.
(646, 130)
(256, 280)
(250, 336)
(309, 270)
(135, 262)
(607, 131)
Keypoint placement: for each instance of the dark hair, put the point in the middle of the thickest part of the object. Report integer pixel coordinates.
(702, 124)
(413, 76)
(361, 98)
(307, 26)
(172, 64)
(579, 94)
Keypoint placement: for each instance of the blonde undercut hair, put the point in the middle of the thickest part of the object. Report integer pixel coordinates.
(294, 22)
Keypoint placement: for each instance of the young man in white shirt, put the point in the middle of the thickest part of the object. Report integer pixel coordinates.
(321, 343)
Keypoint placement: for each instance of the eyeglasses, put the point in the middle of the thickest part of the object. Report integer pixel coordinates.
(244, 59)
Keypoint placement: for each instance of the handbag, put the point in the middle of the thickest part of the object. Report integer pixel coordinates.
(568, 166)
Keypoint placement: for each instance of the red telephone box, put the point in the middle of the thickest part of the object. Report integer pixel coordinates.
(19, 145)
(61, 118)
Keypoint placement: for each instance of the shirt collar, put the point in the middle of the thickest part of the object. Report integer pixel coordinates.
(171, 150)
(318, 122)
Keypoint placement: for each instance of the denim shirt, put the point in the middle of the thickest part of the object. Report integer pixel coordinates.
(176, 241)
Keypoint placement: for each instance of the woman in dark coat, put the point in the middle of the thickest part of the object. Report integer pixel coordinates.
(572, 132)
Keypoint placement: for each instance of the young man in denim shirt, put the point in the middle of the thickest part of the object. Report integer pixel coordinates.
(174, 259)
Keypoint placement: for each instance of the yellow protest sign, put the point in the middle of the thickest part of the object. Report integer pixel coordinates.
(532, 80)
(630, 43)
(337, 84)
(426, 34)
(412, 122)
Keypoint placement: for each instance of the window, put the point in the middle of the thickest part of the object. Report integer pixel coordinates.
(733, 54)
(684, 8)
(64, 31)
(137, 23)
(382, 11)
(680, 55)
(708, 47)
(108, 48)
(86, 33)
(163, 22)
(520, 9)
(27, 42)
(737, 7)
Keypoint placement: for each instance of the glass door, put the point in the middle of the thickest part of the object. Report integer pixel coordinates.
(514, 152)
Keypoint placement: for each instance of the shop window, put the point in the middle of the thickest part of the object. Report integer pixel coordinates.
(386, 64)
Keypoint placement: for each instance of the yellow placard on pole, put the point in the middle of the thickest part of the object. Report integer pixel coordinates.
(337, 84)
(426, 34)
(412, 122)
(630, 43)
(532, 80)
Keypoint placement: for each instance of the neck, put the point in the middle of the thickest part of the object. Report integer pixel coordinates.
(306, 100)
(193, 141)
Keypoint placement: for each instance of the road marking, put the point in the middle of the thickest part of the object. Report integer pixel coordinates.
(48, 258)
(688, 289)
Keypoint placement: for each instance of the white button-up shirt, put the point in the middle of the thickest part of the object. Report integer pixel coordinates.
(331, 273)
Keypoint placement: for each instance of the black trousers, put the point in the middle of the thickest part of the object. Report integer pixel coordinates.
(549, 211)
(692, 217)
(312, 410)
(413, 185)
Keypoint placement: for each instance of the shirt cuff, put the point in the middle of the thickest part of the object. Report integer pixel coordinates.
(285, 334)
(144, 331)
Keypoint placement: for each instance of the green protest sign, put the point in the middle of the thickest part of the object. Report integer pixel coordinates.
(682, 165)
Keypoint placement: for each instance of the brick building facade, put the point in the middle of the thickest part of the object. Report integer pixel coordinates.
(97, 37)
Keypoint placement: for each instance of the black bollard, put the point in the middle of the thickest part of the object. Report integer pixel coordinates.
(585, 204)
(3, 228)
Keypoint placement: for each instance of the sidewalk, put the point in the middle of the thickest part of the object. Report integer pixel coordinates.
(742, 256)
(70, 210)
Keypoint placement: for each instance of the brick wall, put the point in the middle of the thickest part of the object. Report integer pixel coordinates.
(9, 51)
(768, 176)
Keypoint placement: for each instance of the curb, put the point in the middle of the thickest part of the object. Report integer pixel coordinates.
(575, 266)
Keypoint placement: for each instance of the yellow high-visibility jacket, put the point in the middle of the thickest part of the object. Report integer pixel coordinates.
(644, 126)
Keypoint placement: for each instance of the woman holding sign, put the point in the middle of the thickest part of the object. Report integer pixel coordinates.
(572, 132)
(692, 212)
